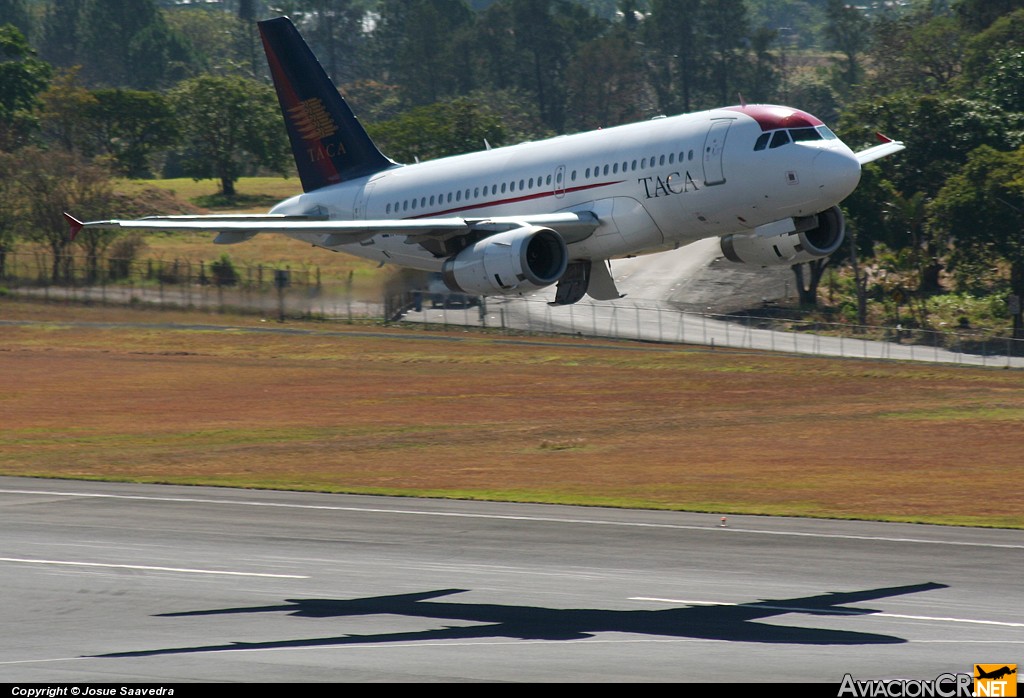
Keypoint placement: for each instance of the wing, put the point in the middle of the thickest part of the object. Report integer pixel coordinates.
(230, 229)
(886, 147)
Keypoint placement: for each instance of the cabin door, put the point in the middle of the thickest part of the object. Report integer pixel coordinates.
(714, 146)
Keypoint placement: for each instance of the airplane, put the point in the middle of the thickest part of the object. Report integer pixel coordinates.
(995, 674)
(764, 179)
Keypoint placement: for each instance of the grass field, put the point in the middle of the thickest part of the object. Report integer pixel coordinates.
(255, 195)
(380, 410)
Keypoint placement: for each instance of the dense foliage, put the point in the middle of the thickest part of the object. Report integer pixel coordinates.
(142, 87)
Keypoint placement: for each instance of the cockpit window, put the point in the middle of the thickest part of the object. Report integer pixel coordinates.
(805, 134)
(779, 139)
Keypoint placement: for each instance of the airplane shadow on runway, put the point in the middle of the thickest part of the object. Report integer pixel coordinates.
(712, 622)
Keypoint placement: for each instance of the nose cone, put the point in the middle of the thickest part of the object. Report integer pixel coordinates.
(837, 173)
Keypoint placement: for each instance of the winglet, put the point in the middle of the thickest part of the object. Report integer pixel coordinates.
(887, 147)
(76, 225)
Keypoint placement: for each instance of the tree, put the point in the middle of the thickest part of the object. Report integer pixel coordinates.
(127, 43)
(942, 132)
(606, 85)
(977, 15)
(1004, 35)
(917, 51)
(131, 126)
(61, 38)
(416, 46)
(439, 130)
(231, 126)
(673, 34)
(9, 207)
(726, 31)
(50, 183)
(64, 118)
(22, 78)
(334, 31)
(16, 12)
(848, 32)
(981, 210)
(534, 41)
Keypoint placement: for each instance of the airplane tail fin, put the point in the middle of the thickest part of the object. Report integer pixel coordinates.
(328, 142)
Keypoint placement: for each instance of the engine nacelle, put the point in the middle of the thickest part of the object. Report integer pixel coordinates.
(792, 248)
(516, 261)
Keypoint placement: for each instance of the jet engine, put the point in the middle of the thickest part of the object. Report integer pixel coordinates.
(822, 236)
(516, 261)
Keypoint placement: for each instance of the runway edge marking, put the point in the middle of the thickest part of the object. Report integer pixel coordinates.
(509, 517)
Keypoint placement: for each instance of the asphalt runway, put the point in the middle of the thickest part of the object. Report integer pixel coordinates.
(115, 582)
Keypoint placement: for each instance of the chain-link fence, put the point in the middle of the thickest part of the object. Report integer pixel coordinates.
(220, 285)
(652, 321)
(303, 292)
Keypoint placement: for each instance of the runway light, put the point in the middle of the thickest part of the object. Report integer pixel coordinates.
(722, 525)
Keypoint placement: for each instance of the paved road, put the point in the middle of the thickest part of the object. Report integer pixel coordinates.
(675, 297)
(113, 582)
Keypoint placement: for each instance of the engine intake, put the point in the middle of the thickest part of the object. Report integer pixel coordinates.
(793, 248)
(516, 261)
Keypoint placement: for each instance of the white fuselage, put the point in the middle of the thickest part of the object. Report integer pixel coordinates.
(654, 185)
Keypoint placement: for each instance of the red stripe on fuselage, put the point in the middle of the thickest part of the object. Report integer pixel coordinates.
(514, 200)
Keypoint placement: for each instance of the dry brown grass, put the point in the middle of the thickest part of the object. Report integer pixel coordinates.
(567, 420)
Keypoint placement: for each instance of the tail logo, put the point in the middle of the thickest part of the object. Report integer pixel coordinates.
(313, 121)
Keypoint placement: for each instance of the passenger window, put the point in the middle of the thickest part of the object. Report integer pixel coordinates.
(671, 158)
(503, 187)
(431, 199)
(512, 185)
(606, 169)
(762, 141)
(458, 195)
(389, 208)
(615, 168)
(574, 175)
(633, 166)
(661, 160)
(522, 183)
